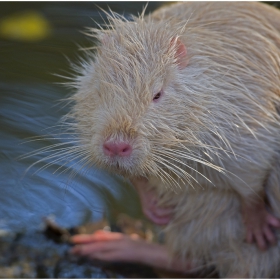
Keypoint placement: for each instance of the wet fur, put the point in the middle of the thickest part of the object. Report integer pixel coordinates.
(212, 141)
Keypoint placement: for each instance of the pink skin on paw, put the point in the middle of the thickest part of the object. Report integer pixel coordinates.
(259, 224)
(149, 202)
(107, 246)
(113, 246)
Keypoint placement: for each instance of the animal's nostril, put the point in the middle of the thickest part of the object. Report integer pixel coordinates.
(124, 149)
(117, 149)
(107, 149)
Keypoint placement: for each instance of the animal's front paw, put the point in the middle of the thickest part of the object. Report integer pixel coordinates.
(149, 202)
(108, 246)
(259, 224)
(114, 246)
(158, 215)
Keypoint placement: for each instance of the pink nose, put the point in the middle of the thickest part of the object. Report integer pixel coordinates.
(117, 149)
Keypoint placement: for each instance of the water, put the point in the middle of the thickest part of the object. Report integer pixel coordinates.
(29, 104)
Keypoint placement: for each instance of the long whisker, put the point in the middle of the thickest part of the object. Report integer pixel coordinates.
(57, 148)
(166, 164)
(75, 163)
(186, 165)
(61, 158)
(70, 159)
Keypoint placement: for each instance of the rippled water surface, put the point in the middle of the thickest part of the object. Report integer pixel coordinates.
(29, 105)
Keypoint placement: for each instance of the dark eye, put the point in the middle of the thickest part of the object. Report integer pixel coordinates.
(157, 96)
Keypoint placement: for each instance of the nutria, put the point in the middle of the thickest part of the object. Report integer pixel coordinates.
(188, 98)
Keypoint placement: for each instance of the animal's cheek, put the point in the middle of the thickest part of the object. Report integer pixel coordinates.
(95, 147)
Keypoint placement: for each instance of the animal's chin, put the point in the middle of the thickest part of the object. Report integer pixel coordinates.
(120, 167)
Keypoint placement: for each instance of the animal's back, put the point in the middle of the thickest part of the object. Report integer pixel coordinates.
(204, 11)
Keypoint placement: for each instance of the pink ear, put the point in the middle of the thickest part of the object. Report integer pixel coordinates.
(181, 53)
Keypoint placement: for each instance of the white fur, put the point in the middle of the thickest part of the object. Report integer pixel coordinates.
(212, 139)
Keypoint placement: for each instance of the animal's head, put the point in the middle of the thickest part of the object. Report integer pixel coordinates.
(129, 94)
(157, 94)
